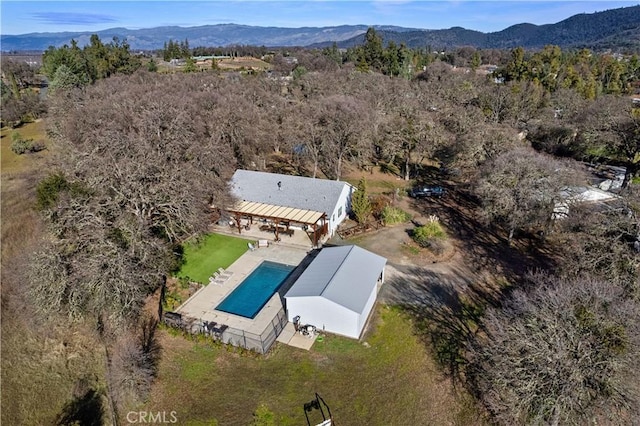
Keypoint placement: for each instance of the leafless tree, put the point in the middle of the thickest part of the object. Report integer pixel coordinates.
(602, 242)
(343, 120)
(563, 353)
(19, 74)
(144, 172)
(612, 124)
(410, 134)
(134, 364)
(521, 188)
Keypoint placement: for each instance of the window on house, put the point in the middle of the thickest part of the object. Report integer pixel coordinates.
(340, 211)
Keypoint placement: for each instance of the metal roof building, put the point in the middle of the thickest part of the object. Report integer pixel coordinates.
(338, 290)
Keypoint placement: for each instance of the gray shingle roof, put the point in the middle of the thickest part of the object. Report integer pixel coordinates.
(345, 275)
(319, 195)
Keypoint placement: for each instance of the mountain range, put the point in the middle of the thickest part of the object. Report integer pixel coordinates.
(611, 29)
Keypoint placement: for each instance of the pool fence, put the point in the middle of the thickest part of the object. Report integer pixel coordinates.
(260, 343)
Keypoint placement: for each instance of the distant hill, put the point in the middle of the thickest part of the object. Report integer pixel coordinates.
(207, 35)
(616, 28)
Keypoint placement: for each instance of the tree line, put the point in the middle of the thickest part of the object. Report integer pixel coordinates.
(71, 66)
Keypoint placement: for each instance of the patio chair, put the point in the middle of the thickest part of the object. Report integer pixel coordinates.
(251, 246)
(263, 243)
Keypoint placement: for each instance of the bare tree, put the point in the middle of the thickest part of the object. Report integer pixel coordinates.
(409, 134)
(563, 353)
(601, 242)
(134, 364)
(612, 124)
(141, 174)
(343, 120)
(521, 188)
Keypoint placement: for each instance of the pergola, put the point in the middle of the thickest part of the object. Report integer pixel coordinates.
(280, 214)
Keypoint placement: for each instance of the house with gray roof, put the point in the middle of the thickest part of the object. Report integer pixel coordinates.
(337, 291)
(330, 197)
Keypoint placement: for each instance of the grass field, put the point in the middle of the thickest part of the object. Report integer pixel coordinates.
(213, 251)
(390, 381)
(12, 162)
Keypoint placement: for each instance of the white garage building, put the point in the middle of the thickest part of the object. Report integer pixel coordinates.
(337, 291)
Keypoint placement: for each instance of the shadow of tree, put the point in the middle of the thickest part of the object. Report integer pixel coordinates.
(149, 343)
(85, 410)
(487, 247)
(446, 308)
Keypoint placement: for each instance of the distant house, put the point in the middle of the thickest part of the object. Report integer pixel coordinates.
(581, 195)
(333, 198)
(337, 291)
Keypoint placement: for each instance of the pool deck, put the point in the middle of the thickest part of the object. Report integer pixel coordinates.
(201, 305)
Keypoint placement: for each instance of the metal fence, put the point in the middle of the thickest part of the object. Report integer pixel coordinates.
(230, 335)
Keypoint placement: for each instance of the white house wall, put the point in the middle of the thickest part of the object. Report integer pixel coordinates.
(362, 319)
(338, 215)
(324, 314)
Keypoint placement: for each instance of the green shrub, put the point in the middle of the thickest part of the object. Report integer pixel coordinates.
(427, 234)
(20, 145)
(393, 215)
(184, 282)
(49, 189)
(263, 416)
(172, 300)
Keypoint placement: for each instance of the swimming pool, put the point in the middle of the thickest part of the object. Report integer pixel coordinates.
(254, 292)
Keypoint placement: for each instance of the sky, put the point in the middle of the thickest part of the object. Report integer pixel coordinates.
(25, 16)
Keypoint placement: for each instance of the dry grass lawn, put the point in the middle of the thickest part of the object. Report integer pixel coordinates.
(41, 363)
(246, 62)
(12, 163)
(394, 381)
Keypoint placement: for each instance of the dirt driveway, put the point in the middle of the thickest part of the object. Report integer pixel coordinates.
(477, 263)
(411, 272)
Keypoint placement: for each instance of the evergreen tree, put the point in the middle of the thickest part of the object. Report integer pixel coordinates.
(333, 53)
(360, 203)
(373, 51)
(190, 65)
(362, 65)
(392, 59)
(476, 60)
(152, 66)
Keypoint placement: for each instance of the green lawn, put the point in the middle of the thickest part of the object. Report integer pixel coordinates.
(390, 381)
(213, 251)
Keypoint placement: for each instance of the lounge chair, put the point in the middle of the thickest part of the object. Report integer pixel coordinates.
(263, 243)
(251, 246)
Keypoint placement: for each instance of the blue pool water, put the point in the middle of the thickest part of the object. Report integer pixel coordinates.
(254, 292)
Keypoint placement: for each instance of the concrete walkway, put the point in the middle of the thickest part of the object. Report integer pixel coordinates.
(288, 336)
